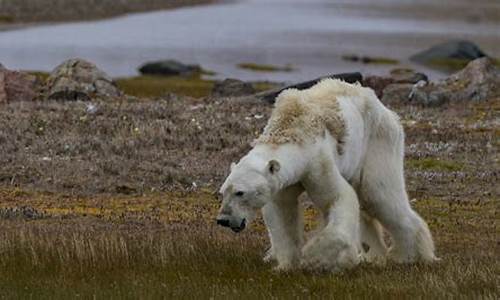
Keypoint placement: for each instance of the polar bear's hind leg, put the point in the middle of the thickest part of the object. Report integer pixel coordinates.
(384, 194)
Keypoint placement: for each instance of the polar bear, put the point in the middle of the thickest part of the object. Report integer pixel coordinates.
(338, 143)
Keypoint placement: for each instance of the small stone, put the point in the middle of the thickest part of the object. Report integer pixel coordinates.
(169, 68)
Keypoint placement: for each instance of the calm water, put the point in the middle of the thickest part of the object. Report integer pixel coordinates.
(311, 35)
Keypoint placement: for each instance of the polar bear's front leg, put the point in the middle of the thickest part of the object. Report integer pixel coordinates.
(283, 219)
(338, 245)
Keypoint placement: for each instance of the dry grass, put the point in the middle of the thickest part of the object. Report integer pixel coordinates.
(126, 146)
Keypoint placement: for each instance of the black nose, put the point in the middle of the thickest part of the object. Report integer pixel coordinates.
(241, 227)
(223, 222)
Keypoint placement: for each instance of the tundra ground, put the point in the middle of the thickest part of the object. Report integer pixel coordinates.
(118, 200)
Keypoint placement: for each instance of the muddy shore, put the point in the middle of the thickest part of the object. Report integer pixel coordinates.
(20, 13)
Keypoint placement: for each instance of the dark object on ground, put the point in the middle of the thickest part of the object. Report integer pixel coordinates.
(24, 212)
(454, 50)
(16, 86)
(379, 83)
(77, 79)
(169, 68)
(369, 60)
(269, 96)
(478, 81)
(232, 87)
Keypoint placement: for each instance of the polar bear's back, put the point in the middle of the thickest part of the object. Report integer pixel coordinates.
(301, 116)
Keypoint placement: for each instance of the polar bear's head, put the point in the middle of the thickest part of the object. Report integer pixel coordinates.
(247, 189)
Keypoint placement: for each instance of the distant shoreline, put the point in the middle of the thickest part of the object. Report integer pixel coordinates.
(25, 13)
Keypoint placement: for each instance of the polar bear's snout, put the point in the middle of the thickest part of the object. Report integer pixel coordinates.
(236, 224)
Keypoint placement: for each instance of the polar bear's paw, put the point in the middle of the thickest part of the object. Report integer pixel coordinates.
(326, 252)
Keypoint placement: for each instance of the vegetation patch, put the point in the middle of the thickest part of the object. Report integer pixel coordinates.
(192, 86)
(155, 86)
(434, 164)
(6, 19)
(370, 60)
(265, 67)
(137, 255)
(453, 64)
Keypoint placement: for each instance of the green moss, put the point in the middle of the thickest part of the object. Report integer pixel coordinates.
(453, 64)
(434, 164)
(381, 60)
(370, 60)
(264, 86)
(265, 68)
(6, 19)
(155, 86)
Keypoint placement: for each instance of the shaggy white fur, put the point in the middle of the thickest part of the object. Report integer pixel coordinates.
(299, 151)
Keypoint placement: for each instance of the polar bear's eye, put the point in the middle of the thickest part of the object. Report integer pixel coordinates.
(239, 193)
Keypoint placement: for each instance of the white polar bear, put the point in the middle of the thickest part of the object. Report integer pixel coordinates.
(341, 145)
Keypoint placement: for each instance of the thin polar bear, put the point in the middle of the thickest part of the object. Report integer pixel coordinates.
(338, 143)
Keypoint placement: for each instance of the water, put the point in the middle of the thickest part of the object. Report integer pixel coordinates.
(310, 35)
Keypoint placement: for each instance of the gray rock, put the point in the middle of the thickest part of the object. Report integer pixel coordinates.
(478, 81)
(17, 86)
(77, 79)
(397, 93)
(461, 50)
(169, 68)
(407, 76)
(232, 87)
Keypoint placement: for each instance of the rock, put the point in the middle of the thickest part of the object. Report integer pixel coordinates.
(478, 81)
(169, 68)
(396, 93)
(377, 83)
(403, 76)
(407, 76)
(232, 87)
(270, 95)
(17, 86)
(77, 79)
(460, 50)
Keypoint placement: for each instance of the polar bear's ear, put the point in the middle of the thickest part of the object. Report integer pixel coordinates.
(233, 164)
(273, 166)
